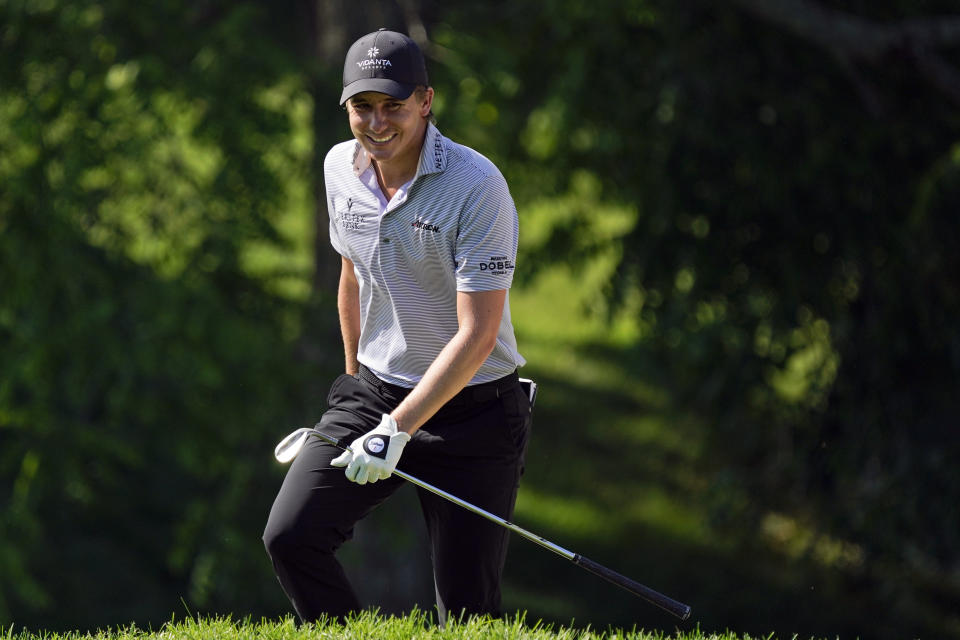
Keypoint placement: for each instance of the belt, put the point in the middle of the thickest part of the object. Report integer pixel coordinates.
(474, 394)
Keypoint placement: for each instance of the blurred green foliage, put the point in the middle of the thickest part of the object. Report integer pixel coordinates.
(146, 363)
(761, 226)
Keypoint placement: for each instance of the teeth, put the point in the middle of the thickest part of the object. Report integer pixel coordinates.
(390, 137)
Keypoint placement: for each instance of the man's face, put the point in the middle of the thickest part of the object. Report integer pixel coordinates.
(390, 130)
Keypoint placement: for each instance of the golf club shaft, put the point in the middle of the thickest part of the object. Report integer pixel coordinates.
(666, 603)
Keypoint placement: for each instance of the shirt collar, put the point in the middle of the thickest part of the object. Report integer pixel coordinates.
(433, 155)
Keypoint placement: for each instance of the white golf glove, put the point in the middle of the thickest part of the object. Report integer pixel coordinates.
(374, 456)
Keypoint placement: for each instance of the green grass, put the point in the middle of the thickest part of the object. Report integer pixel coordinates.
(370, 626)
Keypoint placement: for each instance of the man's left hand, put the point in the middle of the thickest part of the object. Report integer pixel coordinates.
(374, 456)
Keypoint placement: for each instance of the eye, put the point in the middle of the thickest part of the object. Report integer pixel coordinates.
(360, 106)
(394, 106)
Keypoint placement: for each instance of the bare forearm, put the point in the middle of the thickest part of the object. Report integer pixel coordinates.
(348, 308)
(449, 373)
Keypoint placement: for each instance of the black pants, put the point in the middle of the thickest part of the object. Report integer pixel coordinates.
(473, 448)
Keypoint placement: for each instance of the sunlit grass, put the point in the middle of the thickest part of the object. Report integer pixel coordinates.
(417, 625)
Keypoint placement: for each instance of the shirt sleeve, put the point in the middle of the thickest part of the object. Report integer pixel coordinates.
(486, 250)
(335, 240)
(328, 178)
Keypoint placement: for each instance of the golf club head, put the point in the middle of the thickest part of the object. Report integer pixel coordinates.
(289, 447)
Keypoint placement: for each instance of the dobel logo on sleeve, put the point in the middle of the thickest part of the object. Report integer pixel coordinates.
(497, 265)
(376, 446)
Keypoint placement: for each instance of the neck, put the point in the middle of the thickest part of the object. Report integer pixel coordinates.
(391, 177)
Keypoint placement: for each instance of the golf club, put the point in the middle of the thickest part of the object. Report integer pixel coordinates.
(289, 447)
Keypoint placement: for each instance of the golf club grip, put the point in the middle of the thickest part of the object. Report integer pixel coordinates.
(670, 605)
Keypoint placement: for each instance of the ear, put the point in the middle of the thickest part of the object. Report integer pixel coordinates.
(427, 103)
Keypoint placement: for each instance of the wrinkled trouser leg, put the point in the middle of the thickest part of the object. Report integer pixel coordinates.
(476, 455)
(314, 513)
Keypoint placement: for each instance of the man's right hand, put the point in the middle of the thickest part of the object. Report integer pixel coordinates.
(374, 456)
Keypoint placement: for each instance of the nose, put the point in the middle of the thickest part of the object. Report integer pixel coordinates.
(378, 119)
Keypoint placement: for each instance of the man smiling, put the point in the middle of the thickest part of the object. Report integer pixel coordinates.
(430, 382)
(391, 131)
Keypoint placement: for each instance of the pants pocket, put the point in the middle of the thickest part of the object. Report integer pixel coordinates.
(517, 414)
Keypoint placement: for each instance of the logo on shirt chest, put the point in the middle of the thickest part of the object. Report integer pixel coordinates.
(423, 225)
(347, 217)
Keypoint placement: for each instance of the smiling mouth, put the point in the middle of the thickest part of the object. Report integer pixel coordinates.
(383, 140)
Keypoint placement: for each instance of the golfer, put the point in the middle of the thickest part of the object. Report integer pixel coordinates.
(427, 233)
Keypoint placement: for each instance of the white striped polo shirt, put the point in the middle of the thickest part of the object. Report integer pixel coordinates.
(454, 229)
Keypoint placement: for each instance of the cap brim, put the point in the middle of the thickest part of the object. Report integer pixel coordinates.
(380, 85)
